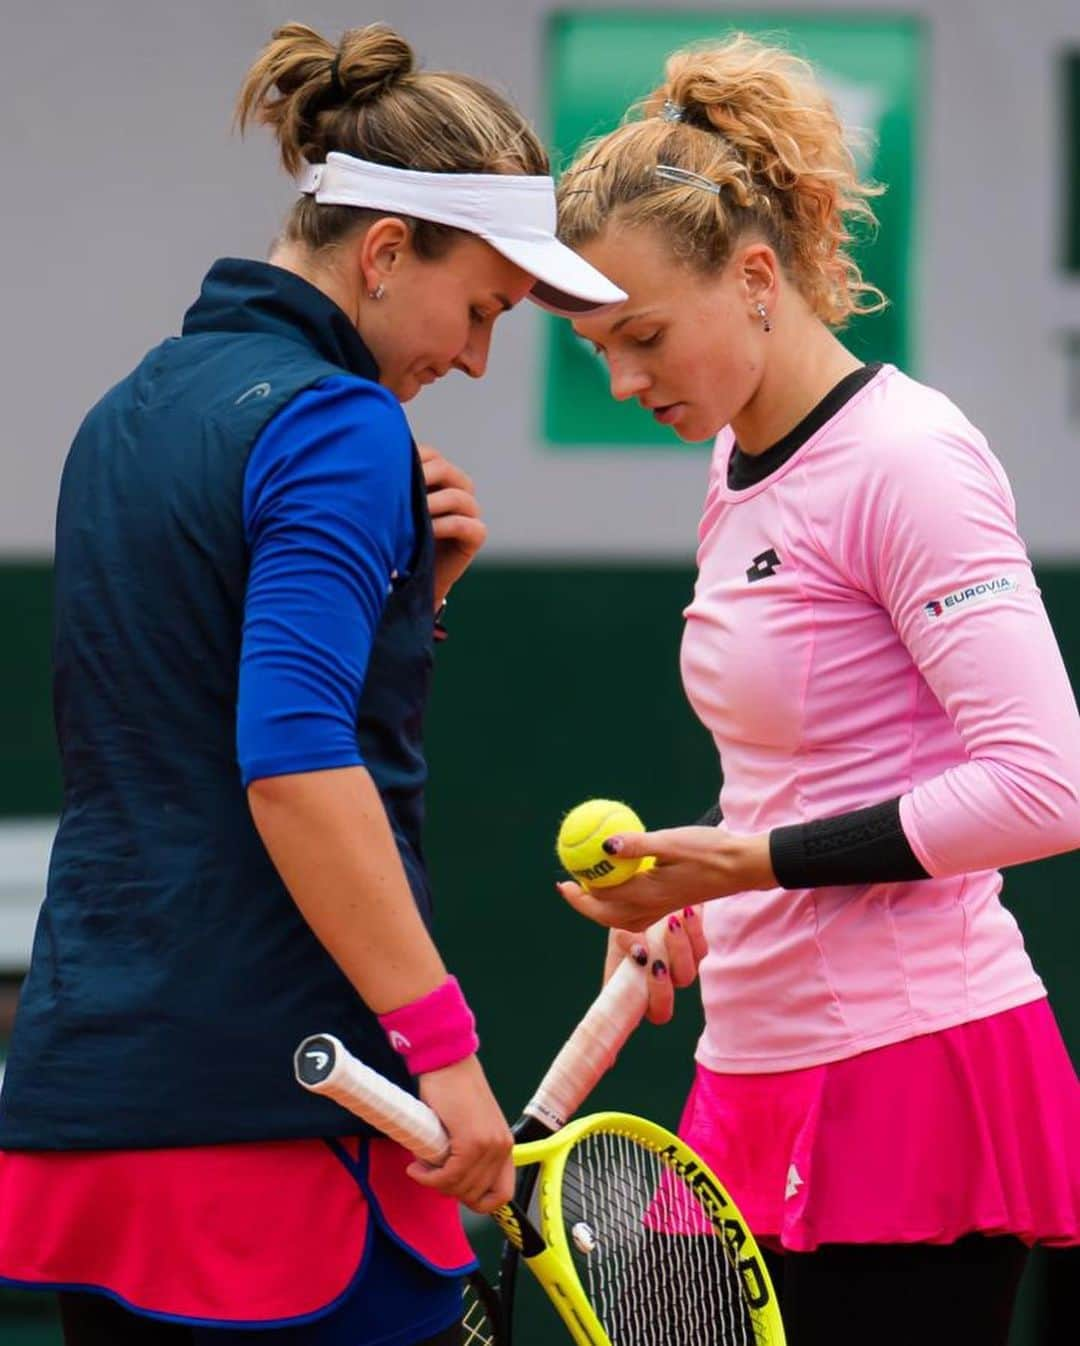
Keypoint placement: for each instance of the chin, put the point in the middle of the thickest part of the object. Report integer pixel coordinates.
(695, 430)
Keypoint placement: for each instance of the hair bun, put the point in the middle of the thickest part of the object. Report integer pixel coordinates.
(299, 76)
(371, 60)
(366, 96)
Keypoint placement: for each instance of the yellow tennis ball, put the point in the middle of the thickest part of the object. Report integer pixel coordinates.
(579, 844)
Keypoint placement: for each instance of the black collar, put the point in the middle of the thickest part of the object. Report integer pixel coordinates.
(244, 296)
(747, 469)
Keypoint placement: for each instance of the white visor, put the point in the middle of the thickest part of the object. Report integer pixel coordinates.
(514, 213)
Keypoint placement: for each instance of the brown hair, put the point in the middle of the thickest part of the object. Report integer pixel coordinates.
(366, 98)
(754, 123)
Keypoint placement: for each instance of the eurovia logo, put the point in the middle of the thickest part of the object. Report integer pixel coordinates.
(971, 593)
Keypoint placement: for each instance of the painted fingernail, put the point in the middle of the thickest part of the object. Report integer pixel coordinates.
(613, 845)
(640, 954)
(659, 969)
(673, 923)
(689, 913)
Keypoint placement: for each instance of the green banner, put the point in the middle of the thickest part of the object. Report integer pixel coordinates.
(600, 63)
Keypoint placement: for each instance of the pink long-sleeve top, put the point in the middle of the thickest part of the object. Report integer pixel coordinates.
(866, 625)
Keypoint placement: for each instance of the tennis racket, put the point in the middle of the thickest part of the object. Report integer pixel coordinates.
(631, 1236)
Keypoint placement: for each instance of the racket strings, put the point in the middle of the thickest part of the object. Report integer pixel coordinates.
(640, 1263)
(652, 1264)
(478, 1325)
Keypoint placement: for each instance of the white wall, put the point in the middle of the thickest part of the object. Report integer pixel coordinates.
(121, 182)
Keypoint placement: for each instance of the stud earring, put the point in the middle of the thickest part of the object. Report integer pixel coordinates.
(377, 293)
(763, 314)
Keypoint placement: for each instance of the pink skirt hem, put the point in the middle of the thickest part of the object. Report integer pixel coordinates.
(973, 1129)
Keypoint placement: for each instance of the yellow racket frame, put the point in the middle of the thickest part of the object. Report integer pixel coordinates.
(554, 1266)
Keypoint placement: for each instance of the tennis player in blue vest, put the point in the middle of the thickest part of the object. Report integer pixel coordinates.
(250, 553)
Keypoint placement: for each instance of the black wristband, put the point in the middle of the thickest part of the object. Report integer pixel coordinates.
(863, 846)
(711, 817)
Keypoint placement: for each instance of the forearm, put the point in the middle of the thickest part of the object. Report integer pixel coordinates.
(1003, 809)
(863, 846)
(870, 845)
(329, 838)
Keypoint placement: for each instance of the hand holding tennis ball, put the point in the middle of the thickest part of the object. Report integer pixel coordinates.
(580, 844)
(692, 865)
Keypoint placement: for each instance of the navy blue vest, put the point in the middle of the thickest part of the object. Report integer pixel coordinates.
(172, 975)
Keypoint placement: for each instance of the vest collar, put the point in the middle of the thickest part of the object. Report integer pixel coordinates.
(245, 296)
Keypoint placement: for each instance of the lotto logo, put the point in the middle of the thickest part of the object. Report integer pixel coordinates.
(764, 567)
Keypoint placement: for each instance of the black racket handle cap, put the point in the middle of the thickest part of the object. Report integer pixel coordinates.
(315, 1058)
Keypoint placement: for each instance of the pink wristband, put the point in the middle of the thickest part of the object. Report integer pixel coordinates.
(434, 1031)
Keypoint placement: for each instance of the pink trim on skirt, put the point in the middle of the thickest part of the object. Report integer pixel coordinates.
(973, 1129)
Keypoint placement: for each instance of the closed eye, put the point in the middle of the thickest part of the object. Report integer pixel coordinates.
(652, 340)
(593, 346)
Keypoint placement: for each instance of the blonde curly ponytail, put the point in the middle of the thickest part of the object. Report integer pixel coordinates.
(753, 126)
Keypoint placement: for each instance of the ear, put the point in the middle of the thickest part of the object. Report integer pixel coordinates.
(383, 250)
(758, 273)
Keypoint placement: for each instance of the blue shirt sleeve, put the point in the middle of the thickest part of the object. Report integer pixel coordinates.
(328, 518)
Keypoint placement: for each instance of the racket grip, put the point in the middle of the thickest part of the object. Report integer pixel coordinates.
(326, 1067)
(591, 1049)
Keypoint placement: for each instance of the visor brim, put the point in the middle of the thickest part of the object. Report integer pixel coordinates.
(566, 284)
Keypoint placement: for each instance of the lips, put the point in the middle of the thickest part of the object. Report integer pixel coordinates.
(669, 413)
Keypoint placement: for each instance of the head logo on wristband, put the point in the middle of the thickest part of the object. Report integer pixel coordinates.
(435, 1031)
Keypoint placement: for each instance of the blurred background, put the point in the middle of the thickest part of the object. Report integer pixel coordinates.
(123, 181)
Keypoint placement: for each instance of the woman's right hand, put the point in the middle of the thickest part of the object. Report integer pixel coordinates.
(693, 865)
(479, 1171)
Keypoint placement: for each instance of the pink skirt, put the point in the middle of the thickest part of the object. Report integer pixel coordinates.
(260, 1233)
(973, 1129)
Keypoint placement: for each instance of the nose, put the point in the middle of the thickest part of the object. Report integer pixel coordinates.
(626, 380)
(474, 355)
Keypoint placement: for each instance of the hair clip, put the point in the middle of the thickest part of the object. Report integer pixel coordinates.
(684, 178)
(672, 111)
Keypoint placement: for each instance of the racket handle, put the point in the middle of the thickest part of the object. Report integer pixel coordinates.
(592, 1047)
(324, 1066)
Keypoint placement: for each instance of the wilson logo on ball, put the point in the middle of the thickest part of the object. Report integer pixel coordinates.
(597, 871)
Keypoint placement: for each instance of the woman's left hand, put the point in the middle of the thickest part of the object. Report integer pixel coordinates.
(455, 519)
(672, 950)
(693, 864)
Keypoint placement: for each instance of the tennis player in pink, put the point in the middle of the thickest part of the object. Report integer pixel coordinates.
(881, 1082)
